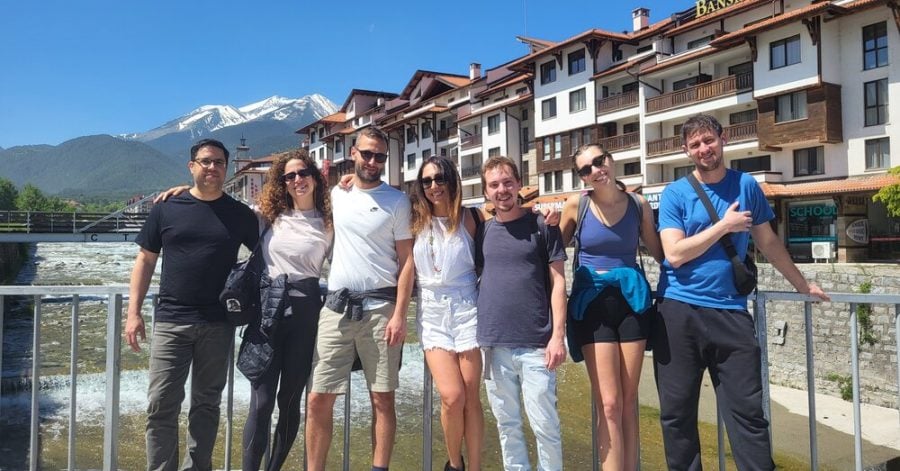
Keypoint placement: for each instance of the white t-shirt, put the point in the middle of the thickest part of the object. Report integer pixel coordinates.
(297, 244)
(367, 225)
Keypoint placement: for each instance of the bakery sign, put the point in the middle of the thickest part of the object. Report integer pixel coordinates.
(705, 7)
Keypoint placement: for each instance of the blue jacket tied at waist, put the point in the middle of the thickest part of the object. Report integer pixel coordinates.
(587, 285)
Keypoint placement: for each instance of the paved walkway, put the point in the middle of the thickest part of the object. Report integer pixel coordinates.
(790, 423)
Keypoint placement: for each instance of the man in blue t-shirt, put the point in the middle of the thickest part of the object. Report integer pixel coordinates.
(521, 318)
(198, 233)
(704, 323)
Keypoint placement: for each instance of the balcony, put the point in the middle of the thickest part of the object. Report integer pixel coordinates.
(622, 142)
(444, 134)
(617, 102)
(471, 140)
(730, 85)
(470, 171)
(733, 134)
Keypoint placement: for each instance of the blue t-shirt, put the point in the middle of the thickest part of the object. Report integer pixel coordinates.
(708, 280)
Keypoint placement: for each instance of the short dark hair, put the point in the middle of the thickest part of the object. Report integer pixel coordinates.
(701, 122)
(498, 161)
(208, 142)
(374, 132)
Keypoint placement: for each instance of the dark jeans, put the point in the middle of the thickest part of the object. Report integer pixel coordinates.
(688, 339)
(295, 340)
(176, 349)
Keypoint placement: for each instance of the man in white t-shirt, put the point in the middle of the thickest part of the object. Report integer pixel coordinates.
(369, 287)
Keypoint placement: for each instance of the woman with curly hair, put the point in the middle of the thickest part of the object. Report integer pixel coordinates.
(296, 207)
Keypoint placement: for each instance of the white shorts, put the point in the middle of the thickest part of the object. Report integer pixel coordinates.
(446, 318)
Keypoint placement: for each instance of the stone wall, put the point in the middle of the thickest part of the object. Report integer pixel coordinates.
(831, 330)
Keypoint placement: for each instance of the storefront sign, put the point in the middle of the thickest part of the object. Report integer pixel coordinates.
(813, 210)
(705, 7)
(653, 199)
(854, 205)
(858, 231)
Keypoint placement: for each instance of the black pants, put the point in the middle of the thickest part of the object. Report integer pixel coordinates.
(295, 342)
(687, 340)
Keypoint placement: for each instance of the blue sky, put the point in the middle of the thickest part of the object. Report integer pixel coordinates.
(73, 68)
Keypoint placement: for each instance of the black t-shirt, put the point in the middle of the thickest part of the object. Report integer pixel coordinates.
(199, 241)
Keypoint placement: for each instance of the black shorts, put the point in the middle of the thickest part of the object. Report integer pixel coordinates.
(609, 318)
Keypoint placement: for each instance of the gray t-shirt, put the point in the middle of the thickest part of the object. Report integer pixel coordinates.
(513, 298)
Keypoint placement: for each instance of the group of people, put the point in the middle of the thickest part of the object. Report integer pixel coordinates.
(491, 304)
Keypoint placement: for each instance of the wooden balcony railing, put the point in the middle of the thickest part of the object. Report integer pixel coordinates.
(733, 134)
(617, 102)
(470, 141)
(444, 134)
(701, 92)
(624, 141)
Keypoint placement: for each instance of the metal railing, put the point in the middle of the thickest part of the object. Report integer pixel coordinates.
(115, 294)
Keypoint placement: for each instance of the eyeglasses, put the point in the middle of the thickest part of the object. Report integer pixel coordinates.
(587, 169)
(378, 156)
(207, 163)
(302, 173)
(438, 178)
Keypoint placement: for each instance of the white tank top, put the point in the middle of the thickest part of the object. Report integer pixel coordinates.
(444, 259)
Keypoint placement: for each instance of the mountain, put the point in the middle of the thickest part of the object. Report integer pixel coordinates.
(93, 166)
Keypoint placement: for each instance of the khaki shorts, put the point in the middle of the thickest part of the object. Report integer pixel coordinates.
(340, 340)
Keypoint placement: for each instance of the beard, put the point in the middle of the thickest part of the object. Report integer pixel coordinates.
(710, 167)
(365, 177)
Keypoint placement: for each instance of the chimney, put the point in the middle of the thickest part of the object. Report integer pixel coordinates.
(640, 18)
(474, 71)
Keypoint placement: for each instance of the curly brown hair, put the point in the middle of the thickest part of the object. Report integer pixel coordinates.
(274, 198)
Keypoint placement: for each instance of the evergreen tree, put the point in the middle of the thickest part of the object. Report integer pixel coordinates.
(31, 198)
(8, 194)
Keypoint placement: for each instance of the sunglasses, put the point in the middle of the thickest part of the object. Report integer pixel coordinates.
(587, 169)
(439, 179)
(302, 173)
(378, 156)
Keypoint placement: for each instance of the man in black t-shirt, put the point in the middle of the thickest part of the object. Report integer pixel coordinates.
(199, 233)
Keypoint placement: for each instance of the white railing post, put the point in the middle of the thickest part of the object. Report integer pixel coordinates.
(73, 380)
(34, 446)
(113, 376)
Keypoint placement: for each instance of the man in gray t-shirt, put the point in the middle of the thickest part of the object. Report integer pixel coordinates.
(521, 318)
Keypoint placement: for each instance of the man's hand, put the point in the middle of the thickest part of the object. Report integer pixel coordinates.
(174, 191)
(737, 221)
(346, 182)
(134, 328)
(817, 292)
(555, 353)
(551, 215)
(395, 332)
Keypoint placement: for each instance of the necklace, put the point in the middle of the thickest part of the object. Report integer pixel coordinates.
(431, 244)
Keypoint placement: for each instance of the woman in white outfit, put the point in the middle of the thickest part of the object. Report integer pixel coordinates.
(444, 255)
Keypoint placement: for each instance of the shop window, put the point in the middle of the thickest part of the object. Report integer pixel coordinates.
(876, 101)
(809, 161)
(790, 106)
(762, 163)
(878, 153)
(784, 52)
(875, 46)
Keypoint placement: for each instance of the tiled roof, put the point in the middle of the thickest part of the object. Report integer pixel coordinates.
(623, 66)
(591, 33)
(681, 59)
(457, 80)
(514, 80)
(496, 106)
(335, 118)
(830, 187)
(800, 13)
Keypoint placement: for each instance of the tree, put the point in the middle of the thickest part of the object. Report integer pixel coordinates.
(31, 198)
(890, 195)
(8, 194)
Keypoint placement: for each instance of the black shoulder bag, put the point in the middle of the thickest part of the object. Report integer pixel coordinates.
(744, 271)
(240, 295)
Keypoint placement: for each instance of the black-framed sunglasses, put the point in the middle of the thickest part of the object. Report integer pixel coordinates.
(438, 178)
(368, 154)
(302, 173)
(587, 169)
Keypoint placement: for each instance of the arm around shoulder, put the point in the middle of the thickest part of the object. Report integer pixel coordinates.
(648, 232)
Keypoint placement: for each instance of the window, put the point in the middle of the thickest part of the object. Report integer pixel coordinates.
(643, 49)
(753, 164)
(546, 148)
(809, 161)
(312, 137)
(411, 161)
(493, 152)
(548, 72)
(410, 135)
(878, 153)
(494, 124)
(339, 146)
(875, 44)
(682, 171)
(525, 115)
(426, 154)
(629, 128)
(748, 116)
(576, 62)
(578, 100)
(548, 108)
(631, 168)
(876, 101)
(577, 182)
(790, 107)
(630, 87)
(557, 146)
(548, 182)
(321, 133)
(525, 141)
(742, 68)
(558, 181)
(579, 137)
(426, 130)
(699, 42)
(784, 52)
(525, 171)
(690, 82)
